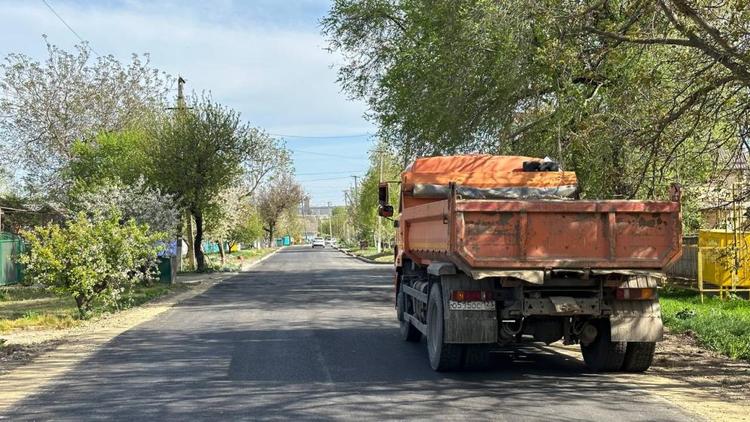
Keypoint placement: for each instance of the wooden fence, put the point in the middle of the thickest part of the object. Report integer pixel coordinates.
(687, 266)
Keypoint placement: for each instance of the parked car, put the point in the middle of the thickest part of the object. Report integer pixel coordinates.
(319, 241)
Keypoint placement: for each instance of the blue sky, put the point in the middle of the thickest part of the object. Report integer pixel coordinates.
(264, 58)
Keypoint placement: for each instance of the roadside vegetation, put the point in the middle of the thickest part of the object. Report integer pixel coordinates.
(632, 96)
(385, 255)
(234, 261)
(719, 325)
(114, 173)
(32, 308)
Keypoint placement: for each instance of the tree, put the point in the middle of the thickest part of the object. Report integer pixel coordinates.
(89, 259)
(249, 227)
(281, 194)
(197, 154)
(267, 155)
(109, 157)
(335, 225)
(630, 95)
(232, 219)
(146, 205)
(69, 97)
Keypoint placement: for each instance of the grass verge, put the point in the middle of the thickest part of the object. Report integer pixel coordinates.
(25, 307)
(371, 253)
(722, 326)
(233, 261)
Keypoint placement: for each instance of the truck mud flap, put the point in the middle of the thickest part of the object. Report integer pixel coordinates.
(477, 325)
(636, 321)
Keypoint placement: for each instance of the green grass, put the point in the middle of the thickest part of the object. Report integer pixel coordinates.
(23, 307)
(372, 253)
(723, 326)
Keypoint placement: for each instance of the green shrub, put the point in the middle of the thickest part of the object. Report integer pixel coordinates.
(89, 259)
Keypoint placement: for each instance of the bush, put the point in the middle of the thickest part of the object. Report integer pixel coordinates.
(89, 259)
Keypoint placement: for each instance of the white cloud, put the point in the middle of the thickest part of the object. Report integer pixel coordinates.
(264, 58)
(279, 77)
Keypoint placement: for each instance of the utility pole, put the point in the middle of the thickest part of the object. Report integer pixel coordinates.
(355, 186)
(190, 241)
(346, 223)
(354, 202)
(330, 217)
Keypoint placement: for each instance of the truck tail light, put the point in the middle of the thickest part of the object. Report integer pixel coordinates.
(471, 295)
(635, 294)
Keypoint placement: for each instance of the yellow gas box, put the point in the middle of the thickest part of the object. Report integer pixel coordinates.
(725, 257)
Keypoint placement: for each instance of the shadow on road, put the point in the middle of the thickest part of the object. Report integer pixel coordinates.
(286, 343)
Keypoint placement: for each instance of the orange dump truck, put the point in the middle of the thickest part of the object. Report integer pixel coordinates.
(497, 250)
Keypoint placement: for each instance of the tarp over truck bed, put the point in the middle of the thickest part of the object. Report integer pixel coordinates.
(485, 176)
(527, 233)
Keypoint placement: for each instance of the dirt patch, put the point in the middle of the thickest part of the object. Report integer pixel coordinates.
(700, 381)
(23, 346)
(680, 357)
(14, 355)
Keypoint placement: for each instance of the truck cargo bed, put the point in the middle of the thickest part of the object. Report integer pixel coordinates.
(543, 234)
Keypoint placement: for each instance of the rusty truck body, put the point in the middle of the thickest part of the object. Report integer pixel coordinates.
(497, 250)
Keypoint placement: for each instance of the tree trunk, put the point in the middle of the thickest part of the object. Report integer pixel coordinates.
(200, 259)
(270, 235)
(221, 252)
(81, 304)
(190, 241)
(178, 245)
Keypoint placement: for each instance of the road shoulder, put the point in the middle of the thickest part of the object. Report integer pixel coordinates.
(61, 351)
(701, 382)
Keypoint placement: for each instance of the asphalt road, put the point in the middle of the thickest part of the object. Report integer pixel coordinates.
(311, 334)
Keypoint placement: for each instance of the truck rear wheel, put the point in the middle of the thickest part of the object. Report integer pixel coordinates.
(603, 354)
(408, 331)
(443, 357)
(639, 356)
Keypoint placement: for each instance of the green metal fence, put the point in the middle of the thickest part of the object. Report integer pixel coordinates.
(11, 246)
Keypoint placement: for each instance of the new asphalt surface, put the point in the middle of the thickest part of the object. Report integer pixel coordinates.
(311, 334)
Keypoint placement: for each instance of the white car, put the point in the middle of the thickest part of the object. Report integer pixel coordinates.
(318, 241)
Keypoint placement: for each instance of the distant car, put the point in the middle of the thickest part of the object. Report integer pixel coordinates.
(318, 241)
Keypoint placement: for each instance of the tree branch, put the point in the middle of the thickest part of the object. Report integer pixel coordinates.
(648, 41)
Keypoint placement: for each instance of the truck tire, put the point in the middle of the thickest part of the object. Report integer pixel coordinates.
(603, 354)
(639, 356)
(477, 357)
(408, 331)
(443, 357)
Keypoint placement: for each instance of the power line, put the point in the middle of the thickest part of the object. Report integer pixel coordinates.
(70, 28)
(323, 154)
(326, 173)
(328, 178)
(358, 135)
